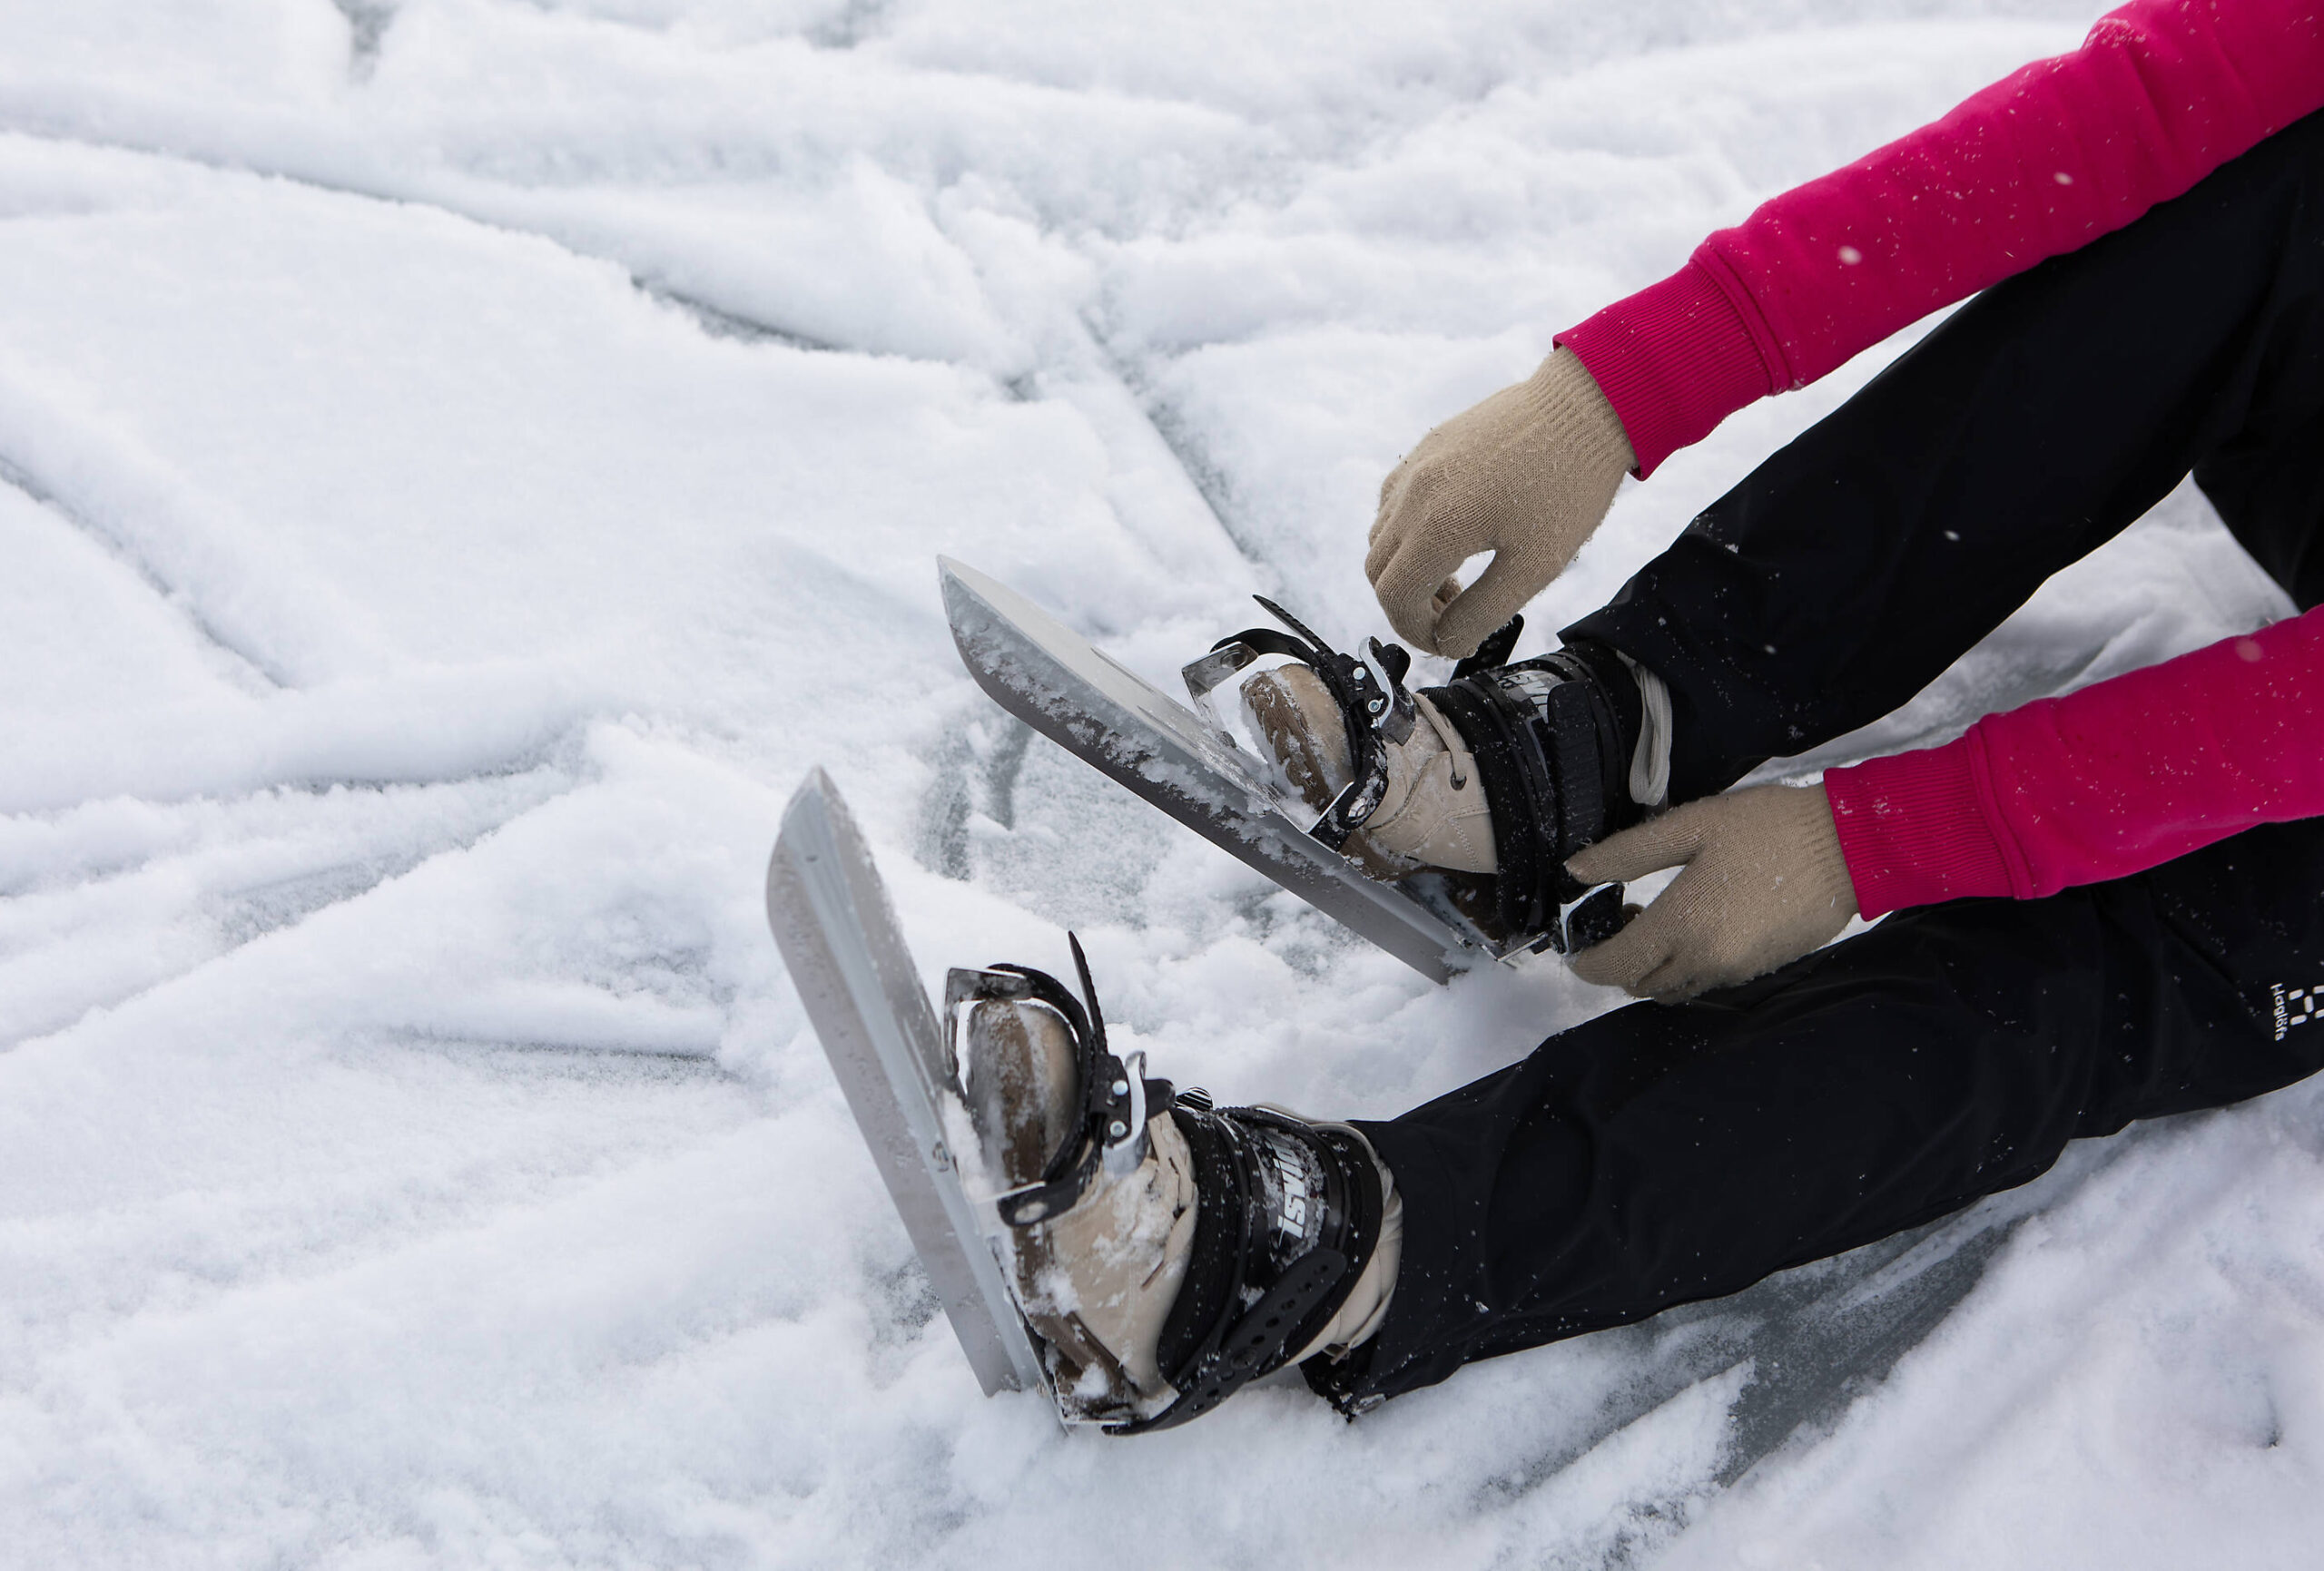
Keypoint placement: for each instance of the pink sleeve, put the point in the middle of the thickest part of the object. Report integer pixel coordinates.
(2099, 784)
(2161, 93)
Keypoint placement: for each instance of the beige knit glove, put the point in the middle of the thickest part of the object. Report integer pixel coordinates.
(1764, 882)
(1526, 475)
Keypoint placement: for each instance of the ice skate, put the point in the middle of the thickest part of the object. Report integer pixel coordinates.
(1388, 824)
(1491, 780)
(1165, 1253)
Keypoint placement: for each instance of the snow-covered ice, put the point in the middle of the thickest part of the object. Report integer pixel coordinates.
(465, 460)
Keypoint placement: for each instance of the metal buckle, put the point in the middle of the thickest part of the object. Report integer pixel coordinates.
(1589, 918)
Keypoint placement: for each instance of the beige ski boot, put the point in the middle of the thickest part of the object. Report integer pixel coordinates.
(1484, 786)
(1163, 1253)
(1431, 811)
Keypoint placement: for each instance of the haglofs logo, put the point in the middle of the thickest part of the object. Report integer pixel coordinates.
(2296, 1008)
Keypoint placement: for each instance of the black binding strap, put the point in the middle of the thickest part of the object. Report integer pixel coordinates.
(1519, 797)
(1495, 650)
(1212, 1346)
(1255, 1346)
(1556, 775)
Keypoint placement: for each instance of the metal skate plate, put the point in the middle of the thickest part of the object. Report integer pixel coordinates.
(838, 935)
(1074, 693)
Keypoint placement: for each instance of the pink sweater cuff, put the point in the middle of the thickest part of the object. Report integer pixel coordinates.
(1915, 829)
(1674, 360)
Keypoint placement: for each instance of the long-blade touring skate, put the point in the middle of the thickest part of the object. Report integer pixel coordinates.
(1134, 1251)
(1341, 746)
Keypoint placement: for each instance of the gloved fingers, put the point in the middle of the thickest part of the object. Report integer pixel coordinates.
(1420, 516)
(1707, 955)
(1665, 952)
(1659, 842)
(1386, 513)
(1693, 961)
(1403, 516)
(1392, 479)
(1445, 594)
(1387, 535)
(1637, 951)
(1407, 585)
(1479, 611)
(1674, 981)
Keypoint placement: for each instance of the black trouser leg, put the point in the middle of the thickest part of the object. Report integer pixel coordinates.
(1661, 1153)
(1851, 568)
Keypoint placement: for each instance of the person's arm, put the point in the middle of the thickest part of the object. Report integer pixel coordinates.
(2101, 783)
(2040, 163)
(2044, 160)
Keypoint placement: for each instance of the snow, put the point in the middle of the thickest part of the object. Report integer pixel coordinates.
(465, 460)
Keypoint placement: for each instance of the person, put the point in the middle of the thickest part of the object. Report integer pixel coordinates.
(2099, 908)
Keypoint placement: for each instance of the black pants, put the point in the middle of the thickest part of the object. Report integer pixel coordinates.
(1662, 1153)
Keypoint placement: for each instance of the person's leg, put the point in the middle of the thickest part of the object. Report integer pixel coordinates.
(1661, 1154)
(2267, 476)
(1851, 567)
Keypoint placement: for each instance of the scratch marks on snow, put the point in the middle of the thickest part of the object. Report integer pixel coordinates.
(112, 900)
(475, 208)
(242, 655)
(1013, 812)
(1816, 1356)
(1811, 1340)
(1808, 1344)
(1207, 479)
(975, 771)
(722, 323)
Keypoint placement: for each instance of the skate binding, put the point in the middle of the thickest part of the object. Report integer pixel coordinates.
(1284, 1214)
(1148, 1253)
(1375, 715)
(1539, 738)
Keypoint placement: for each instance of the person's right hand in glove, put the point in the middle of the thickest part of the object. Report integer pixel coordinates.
(1764, 882)
(1527, 475)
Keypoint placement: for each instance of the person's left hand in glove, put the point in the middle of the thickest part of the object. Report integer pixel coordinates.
(1764, 882)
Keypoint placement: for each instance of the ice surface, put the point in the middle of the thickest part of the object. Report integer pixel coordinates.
(463, 460)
